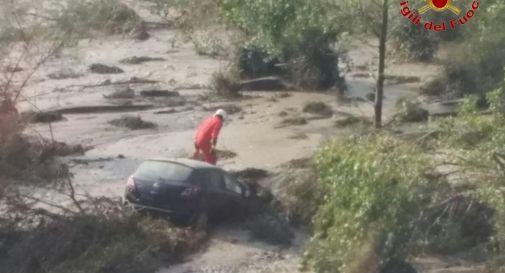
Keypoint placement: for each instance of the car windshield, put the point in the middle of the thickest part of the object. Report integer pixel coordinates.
(160, 170)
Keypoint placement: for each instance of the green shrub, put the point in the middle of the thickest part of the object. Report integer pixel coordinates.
(89, 18)
(297, 32)
(317, 66)
(414, 41)
(475, 64)
(375, 189)
(475, 143)
(411, 111)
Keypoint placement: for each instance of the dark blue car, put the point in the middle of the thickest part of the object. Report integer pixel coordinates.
(186, 190)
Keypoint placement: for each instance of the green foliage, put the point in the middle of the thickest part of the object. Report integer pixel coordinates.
(374, 188)
(65, 20)
(410, 111)
(279, 27)
(95, 17)
(413, 40)
(471, 128)
(301, 33)
(476, 63)
(476, 142)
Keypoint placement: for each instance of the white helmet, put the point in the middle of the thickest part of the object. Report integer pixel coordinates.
(221, 113)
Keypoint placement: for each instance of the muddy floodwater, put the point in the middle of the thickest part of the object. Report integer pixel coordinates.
(255, 131)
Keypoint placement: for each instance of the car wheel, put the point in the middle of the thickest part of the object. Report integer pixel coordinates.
(200, 220)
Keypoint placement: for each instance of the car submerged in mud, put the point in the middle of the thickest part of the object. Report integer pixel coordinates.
(186, 190)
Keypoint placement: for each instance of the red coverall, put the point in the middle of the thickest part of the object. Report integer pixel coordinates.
(206, 137)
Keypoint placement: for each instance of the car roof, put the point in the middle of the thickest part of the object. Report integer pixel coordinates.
(194, 164)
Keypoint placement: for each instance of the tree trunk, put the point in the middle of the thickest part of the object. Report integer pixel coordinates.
(382, 63)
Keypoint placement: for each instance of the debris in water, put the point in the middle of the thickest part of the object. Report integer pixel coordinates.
(141, 59)
(44, 117)
(170, 111)
(264, 84)
(64, 74)
(251, 174)
(159, 93)
(122, 93)
(283, 114)
(293, 122)
(271, 229)
(105, 69)
(318, 108)
(352, 120)
(13, 69)
(103, 109)
(133, 123)
(224, 154)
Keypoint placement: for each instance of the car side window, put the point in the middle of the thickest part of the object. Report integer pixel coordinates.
(214, 179)
(232, 184)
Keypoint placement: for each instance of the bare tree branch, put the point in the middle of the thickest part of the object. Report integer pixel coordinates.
(49, 54)
(6, 86)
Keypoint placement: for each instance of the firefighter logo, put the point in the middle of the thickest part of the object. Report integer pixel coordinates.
(464, 13)
(439, 5)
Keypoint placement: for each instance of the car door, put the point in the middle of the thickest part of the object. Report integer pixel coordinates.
(234, 194)
(214, 187)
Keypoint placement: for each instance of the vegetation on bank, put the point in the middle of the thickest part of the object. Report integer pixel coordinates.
(379, 200)
(66, 21)
(476, 60)
(386, 199)
(94, 244)
(98, 17)
(375, 190)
